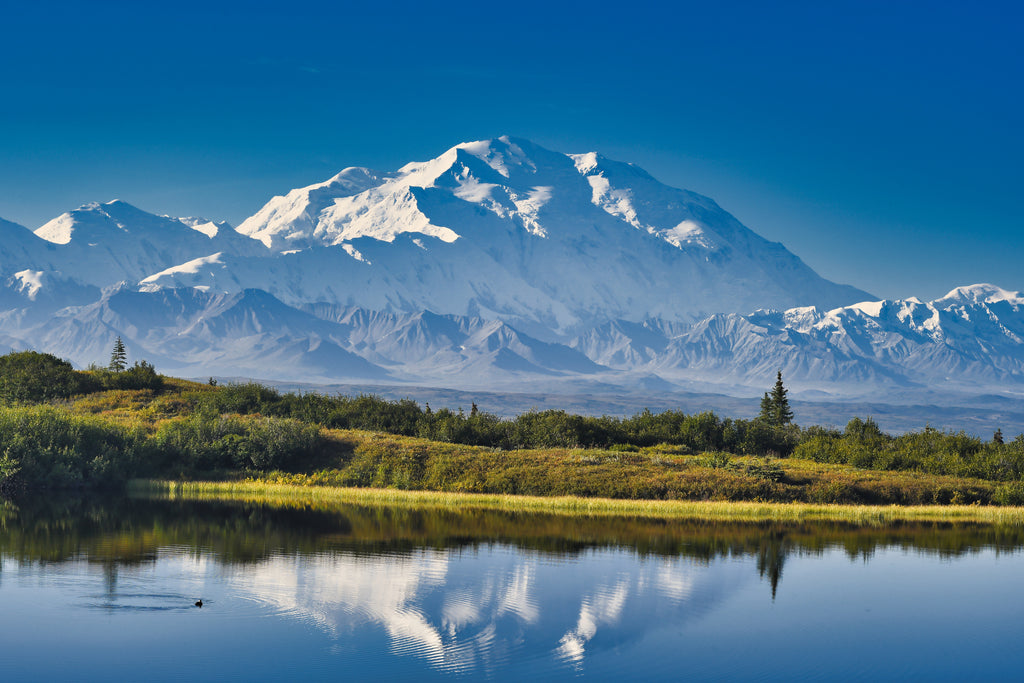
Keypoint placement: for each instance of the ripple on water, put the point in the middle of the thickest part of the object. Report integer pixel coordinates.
(143, 602)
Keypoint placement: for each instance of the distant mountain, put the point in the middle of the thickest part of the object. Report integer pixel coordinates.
(972, 338)
(507, 229)
(499, 264)
(103, 244)
(252, 333)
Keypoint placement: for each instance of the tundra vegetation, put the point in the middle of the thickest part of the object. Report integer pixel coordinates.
(60, 428)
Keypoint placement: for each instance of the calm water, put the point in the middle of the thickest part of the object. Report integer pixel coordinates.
(105, 591)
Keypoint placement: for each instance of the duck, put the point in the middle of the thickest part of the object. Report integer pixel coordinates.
(199, 602)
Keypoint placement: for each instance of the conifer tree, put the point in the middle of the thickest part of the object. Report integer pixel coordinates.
(767, 410)
(783, 414)
(997, 438)
(775, 408)
(118, 357)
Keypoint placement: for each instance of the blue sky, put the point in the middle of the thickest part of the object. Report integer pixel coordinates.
(880, 141)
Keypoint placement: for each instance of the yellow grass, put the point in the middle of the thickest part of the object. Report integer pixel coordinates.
(291, 495)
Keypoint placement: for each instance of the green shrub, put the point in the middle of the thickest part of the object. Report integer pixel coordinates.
(384, 463)
(31, 377)
(716, 460)
(205, 441)
(764, 469)
(1010, 493)
(141, 375)
(47, 447)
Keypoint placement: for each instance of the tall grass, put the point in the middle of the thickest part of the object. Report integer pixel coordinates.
(709, 511)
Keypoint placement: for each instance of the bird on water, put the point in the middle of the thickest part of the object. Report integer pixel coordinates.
(199, 603)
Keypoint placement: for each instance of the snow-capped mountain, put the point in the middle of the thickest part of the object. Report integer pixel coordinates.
(497, 264)
(972, 338)
(507, 229)
(502, 229)
(103, 244)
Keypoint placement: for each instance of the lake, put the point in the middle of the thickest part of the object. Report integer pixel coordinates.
(106, 589)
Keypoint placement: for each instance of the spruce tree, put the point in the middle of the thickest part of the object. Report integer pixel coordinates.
(997, 438)
(767, 414)
(781, 412)
(118, 357)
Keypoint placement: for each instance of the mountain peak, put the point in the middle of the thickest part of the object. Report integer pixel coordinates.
(981, 293)
(94, 221)
(503, 154)
(505, 226)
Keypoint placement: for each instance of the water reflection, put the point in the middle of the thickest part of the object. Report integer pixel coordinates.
(604, 606)
(461, 593)
(472, 611)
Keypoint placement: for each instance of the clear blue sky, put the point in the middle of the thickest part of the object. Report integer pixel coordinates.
(880, 141)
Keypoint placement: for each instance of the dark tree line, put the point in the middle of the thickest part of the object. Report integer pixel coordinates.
(535, 429)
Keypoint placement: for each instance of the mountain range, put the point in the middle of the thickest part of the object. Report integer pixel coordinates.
(498, 264)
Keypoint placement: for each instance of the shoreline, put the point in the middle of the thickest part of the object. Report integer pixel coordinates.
(710, 511)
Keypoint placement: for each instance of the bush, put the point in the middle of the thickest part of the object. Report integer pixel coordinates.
(205, 441)
(241, 399)
(142, 375)
(1011, 493)
(764, 469)
(385, 463)
(31, 377)
(47, 447)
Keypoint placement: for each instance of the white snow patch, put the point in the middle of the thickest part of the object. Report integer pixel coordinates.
(209, 229)
(585, 163)
(58, 230)
(472, 190)
(802, 318)
(616, 202)
(188, 268)
(203, 225)
(383, 218)
(687, 232)
(871, 308)
(30, 282)
(528, 207)
(354, 253)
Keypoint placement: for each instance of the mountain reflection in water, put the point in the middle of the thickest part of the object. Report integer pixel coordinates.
(472, 592)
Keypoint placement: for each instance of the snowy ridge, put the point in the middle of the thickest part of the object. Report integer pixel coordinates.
(534, 236)
(970, 339)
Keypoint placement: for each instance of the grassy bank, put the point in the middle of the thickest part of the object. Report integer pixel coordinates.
(373, 460)
(709, 511)
(101, 429)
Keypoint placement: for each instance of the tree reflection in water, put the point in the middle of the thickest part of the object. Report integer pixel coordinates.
(461, 591)
(128, 531)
